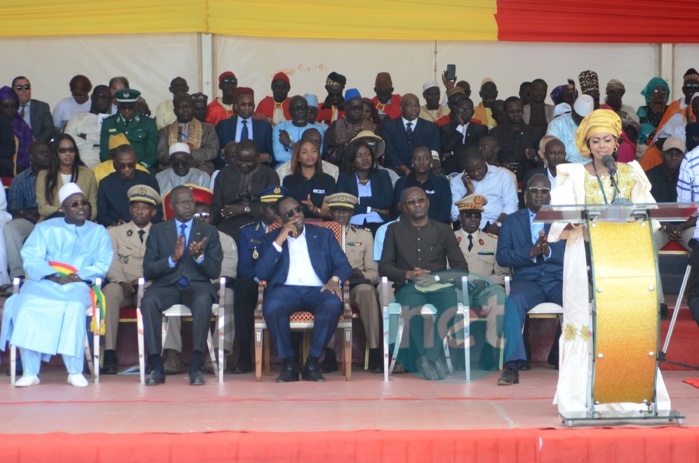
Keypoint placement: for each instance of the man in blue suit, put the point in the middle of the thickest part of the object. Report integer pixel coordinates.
(404, 134)
(301, 280)
(538, 271)
(244, 127)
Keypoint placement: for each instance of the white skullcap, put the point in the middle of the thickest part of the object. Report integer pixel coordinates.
(584, 105)
(179, 148)
(428, 85)
(561, 108)
(67, 190)
(487, 80)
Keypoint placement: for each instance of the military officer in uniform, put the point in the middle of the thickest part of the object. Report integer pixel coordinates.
(129, 245)
(359, 249)
(487, 276)
(245, 290)
(140, 130)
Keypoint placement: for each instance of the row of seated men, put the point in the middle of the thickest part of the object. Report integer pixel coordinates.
(279, 120)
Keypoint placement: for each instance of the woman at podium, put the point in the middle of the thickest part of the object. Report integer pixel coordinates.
(597, 138)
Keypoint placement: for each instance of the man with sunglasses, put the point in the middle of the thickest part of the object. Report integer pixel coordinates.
(48, 316)
(200, 137)
(305, 269)
(416, 254)
(139, 129)
(224, 107)
(538, 272)
(112, 194)
(34, 112)
(180, 171)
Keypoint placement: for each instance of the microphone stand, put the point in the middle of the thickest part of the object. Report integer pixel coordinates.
(619, 201)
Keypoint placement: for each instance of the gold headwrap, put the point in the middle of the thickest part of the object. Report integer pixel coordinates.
(599, 121)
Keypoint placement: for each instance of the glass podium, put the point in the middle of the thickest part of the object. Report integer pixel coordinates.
(625, 320)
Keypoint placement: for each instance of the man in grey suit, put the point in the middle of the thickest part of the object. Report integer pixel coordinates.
(182, 256)
(34, 112)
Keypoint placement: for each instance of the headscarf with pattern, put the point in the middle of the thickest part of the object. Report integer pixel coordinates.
(599, 121)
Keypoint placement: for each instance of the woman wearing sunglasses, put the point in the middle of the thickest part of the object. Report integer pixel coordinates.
(307, 183)
(65, 166)
(597, 138)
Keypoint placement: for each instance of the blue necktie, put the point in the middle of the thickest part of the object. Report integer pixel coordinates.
(244, 135)
(183, 281)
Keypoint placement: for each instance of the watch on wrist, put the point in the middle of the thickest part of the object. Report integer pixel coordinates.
(498, 223)
(336, 280)
(247, 209)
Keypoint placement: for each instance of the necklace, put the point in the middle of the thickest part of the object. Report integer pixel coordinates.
(601, 187)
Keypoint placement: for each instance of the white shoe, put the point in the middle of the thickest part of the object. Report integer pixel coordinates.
(77, 380)
(26, 381)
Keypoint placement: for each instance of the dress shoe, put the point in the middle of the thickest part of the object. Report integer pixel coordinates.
(241, 368)
(375, 361)
(289, 372)
(440, 366)
(155, 379)
(110, 364)
(329, 363)
(553, 360)
(172, 361)
(77, 380)
(526, 366)
(196, 378)
(426, 367)
(311, 373)
(26, 381)
(508, 377)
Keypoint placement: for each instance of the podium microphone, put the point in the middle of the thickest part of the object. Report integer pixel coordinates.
(609, 163)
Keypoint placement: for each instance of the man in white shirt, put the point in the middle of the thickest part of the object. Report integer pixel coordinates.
(486, 180)
(300, 280)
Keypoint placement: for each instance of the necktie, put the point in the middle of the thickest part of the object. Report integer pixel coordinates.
(470, 242)
(140, 234)
(21, 111)
(183, 281)
(410, 135)
(244, 133)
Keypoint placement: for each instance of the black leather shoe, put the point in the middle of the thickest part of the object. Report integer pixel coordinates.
(375, 361)
(329, 363)
(155, 379)
(526, 367)
(553, 360)
(110, 363)
(109, 370)
(241, 368)
(289, 372)
(508, 377)
(311, 373)
(425, 367)
(196, 379)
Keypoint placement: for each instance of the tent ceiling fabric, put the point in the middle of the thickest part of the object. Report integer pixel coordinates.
(640, 21)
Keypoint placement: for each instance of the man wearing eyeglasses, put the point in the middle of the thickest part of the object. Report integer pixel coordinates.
(224, 107)
(305, 268)
(180, 171)
(34, 112)
(200, 137)
(112, 193)
(182, 256)
(538, 273)
(416, 254)
(62, 257)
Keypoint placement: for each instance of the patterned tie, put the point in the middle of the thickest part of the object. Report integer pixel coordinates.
(140, 234)
(244, 133)
(470, 242)
(183, 281)
(410, 135)
(21, 111)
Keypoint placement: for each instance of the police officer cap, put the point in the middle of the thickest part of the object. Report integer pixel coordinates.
(344, 200)
(143, 194)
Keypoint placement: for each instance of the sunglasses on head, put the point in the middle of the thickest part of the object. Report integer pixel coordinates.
(293, 212)
(536, 190)
(23, 87)
(64, 150)
(82, 202)
(201, 215)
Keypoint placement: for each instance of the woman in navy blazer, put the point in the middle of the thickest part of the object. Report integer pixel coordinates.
(359, 167)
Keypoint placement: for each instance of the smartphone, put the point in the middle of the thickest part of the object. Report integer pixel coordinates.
(451, 72)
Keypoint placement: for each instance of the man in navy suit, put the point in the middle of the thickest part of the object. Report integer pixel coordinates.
(244, 127)
(538, 271)
(182, 256)
(404, 134)
(461, 131)
(301, 280)
(34, 112)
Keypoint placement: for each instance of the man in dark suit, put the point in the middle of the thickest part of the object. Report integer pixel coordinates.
(461, 131)
(182, 256)
(538, 271)
(34, 112)
(300, 280)
(244, 127)
(404, 134)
